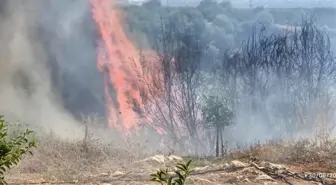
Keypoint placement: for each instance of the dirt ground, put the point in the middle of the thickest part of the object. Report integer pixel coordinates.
(222, 172)
(125, 162)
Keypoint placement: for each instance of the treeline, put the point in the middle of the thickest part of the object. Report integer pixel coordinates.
(221, 25)
(269, 81)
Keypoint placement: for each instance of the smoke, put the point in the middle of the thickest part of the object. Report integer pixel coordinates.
(49, 73)
(68, 32)
(48, 68)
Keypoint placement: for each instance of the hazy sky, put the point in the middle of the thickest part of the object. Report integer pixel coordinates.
(269, 3)
(286, 3)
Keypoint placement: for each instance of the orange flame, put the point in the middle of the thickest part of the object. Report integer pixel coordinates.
(115, 54)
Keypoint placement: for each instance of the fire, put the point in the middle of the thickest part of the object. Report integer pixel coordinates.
(114, 60)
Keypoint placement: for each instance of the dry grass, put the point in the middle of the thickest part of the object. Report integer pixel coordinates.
(57, 159)
(309, 155)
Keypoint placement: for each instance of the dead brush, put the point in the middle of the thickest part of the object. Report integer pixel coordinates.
(59, 159)
(304, 151)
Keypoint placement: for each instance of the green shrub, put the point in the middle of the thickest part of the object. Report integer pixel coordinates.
(179, 178)
(12, 149)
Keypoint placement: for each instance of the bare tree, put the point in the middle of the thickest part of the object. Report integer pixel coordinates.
(169, 83)
(295, 68)
(283, 78)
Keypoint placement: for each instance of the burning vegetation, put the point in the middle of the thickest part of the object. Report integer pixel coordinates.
(172, 93)
(205, 84)
(114, 55)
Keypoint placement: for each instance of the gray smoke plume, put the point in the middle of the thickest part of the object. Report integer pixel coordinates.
(48, 63)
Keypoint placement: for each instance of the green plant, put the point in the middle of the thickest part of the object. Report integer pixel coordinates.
(179, 178)
(217, 116)
(12, 149)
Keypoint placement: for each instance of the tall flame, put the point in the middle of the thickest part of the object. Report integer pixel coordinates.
(114, 60)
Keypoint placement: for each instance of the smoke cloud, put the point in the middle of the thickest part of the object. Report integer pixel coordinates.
(49, 73)
(48, 66)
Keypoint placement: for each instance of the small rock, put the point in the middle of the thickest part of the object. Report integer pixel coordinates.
(106, 184)
(117, 173)
(238, 164)
(155, 158)
(226, 165)
(175, 158)
(279, 172)
(159, 158)
(104, 174)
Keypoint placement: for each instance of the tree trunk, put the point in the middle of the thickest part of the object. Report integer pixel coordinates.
(217, 141)
(221, 142)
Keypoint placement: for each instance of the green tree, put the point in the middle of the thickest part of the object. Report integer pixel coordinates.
(217, 115)
(12, 148)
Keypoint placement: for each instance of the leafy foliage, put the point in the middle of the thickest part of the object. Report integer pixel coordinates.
(163, 176)
(12, 149)
(217, 116)
(216, 113)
